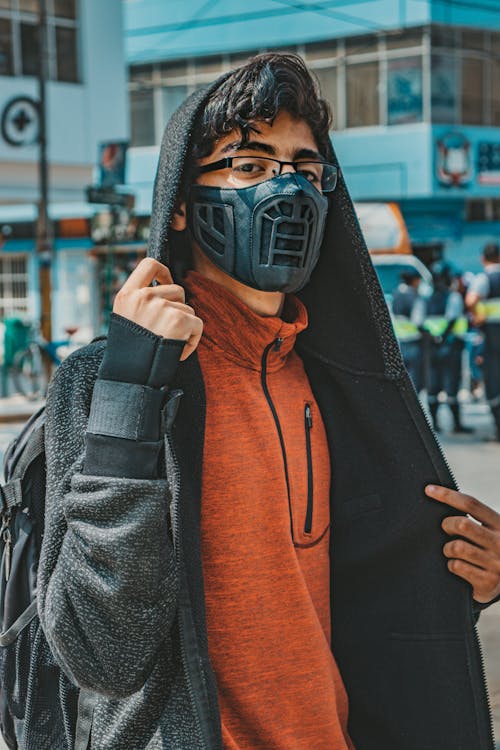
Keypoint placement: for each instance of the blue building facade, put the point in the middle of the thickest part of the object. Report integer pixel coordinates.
(414, 86)
(87, 104)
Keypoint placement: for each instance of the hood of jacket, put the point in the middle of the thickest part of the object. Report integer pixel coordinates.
(349, 324)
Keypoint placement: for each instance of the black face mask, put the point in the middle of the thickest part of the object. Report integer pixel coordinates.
(267, 236)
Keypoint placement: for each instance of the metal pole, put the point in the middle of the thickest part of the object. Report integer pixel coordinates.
(43, 230)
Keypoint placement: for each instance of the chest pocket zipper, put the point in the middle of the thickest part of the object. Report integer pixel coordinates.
(310, 486)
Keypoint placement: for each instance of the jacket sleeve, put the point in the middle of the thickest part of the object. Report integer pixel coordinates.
(107, 584)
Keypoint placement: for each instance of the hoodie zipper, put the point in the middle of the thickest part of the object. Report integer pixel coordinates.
(308, 423)
(277, 346)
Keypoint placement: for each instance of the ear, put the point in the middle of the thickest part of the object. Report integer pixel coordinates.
(178, 223)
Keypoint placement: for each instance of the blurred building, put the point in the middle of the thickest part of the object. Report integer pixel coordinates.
(414, 84)
(87, 104)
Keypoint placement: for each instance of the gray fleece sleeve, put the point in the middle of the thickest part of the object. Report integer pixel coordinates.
(107, 588)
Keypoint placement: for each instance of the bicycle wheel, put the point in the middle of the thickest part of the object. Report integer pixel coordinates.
(28, 373)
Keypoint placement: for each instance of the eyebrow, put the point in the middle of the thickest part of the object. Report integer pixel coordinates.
(266, 148)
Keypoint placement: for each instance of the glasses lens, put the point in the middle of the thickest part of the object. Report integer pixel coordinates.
(323, 176)
(249, 170)
(330, 177)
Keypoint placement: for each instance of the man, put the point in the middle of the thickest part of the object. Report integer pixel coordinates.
(408, 309)
(185, 584)
(447, 325)
(483, 299)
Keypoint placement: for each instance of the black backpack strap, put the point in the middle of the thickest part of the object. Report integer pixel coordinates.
(35, 446)
(86, 705)
(11, 495)
(22, 621)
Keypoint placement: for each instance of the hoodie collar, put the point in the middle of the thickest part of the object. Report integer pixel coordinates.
(240, 333)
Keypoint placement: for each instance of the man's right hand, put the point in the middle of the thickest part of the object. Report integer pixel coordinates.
(161, 309)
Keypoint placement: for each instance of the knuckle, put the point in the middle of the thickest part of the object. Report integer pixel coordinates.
(462, 525)
(458, 547)
(471, 504)
(178, 291)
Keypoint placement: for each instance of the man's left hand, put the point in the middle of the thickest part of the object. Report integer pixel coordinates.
(475, 556)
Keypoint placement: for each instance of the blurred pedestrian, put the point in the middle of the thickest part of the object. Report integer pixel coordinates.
(483, 299)
(408, 310)
(447, 326)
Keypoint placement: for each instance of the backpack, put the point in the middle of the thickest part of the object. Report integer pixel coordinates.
(22, 519)
(38, 703)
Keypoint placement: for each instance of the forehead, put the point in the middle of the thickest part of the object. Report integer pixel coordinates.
(284, 137)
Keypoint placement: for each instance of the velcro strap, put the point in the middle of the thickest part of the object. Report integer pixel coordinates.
(12, 494)
(126, 410)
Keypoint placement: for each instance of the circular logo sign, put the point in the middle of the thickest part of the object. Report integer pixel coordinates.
(20, 124)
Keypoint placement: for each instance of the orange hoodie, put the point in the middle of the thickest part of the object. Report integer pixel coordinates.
(265, 531)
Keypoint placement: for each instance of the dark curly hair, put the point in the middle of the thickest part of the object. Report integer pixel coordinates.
(258, 90)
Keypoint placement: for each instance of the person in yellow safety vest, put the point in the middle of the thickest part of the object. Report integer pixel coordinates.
(446, 324)
(483, 299)
(408, 314)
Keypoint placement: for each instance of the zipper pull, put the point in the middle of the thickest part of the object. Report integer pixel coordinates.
(309, 419)
(277, 345)
(7, 538)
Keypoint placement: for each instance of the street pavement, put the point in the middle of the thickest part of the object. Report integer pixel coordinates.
(475, 463)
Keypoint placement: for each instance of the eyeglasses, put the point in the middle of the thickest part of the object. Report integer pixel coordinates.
(250, 170)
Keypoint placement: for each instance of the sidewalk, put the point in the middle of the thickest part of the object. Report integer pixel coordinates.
(17, 408)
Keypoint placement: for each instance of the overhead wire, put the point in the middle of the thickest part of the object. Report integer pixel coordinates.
(194, 23)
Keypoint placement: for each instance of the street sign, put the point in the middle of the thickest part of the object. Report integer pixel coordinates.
(96, 194)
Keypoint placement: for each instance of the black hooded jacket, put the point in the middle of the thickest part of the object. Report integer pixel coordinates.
(124, 613)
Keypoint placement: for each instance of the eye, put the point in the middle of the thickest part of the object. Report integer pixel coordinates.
(310, 176)
(248, 166)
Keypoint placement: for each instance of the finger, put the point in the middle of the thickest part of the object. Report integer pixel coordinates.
(146, 271)
(171, 292)
(471, 530)
(484, 584)
(194, 338)
(465, 503)
(458, 549)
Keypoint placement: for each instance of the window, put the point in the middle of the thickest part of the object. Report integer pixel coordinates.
(401, 39)
(362, 94)
(6, 66)
(208, 65)
(142, 115)
(321, 50)
(444, 89)
(28, 6)
(327, 78)
(495, 92)
(172, 97)
(445, 36)
(65, 8)
(29, 47)
(13, 285)
(170, 70)
(404, 90)
(361, 45)
(472, 39)
(66, 59)
(473, 78)
(19, 39)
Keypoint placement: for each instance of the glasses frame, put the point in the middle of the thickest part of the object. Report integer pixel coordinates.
(227, 163)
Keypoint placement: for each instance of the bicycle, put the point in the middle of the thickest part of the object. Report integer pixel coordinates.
(31, 366)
